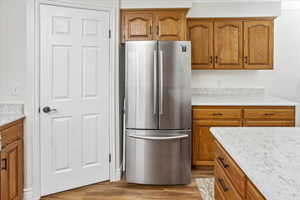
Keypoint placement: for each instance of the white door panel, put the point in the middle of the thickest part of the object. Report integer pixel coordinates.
(75, 81)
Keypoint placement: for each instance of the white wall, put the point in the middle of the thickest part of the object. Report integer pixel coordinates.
(12, 50)
(155, 3)
(235, 9)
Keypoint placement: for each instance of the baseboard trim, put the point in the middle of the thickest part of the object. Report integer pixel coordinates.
(28, 194)
(118, 174)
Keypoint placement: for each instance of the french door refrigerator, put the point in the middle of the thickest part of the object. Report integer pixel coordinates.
(158, 112)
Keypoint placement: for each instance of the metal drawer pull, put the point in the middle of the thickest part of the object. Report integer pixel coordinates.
(222, 183)
(269, 114)
(217, 114)
(211, 60)
(246, 59)
(5, 164)
(158, 138)
(222, 161)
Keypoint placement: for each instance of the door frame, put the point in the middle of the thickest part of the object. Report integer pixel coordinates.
(32, 186)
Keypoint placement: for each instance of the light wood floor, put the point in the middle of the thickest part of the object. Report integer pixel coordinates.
(123, 191)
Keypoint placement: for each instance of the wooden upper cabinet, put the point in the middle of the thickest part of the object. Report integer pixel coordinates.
(170, 25)
(236, 43)
(138, 26)
(200, 32)
(258, 50)
(165, 24)
(228, 40)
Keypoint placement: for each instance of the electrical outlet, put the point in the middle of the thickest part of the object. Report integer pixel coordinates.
(16, 91)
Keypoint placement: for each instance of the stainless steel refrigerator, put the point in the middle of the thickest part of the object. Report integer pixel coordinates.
(158, 112)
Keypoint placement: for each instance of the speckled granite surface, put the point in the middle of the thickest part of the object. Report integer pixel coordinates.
(270, 157)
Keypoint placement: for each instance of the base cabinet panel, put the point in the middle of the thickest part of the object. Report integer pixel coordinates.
(11, 177)
(205, 117)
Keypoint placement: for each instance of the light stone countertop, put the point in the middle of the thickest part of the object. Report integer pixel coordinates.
(8, 118)
(235, 100)
(270, 157)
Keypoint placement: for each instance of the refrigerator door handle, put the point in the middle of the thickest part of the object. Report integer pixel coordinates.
(155, 82)
(161, 63)
(158, 138)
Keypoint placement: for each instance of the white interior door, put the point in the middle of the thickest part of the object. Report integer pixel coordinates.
(75, 50)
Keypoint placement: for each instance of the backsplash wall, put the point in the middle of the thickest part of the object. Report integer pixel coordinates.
(231, 79)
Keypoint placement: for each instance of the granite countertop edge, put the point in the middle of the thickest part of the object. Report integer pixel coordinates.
(9, 118)
(219, 100)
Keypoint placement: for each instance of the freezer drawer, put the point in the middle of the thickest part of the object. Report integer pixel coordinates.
(158, 157)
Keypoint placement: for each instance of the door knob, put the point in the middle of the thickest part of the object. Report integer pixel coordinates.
(47, 109)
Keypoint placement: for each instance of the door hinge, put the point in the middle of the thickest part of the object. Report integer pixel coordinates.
(109, 34)
(109, 157)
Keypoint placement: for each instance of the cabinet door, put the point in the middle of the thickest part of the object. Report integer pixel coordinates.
(203, 141)
(12, 171)
(258, 50)
(137, 26)
(201, 35)
(170, 25)
(228, 39)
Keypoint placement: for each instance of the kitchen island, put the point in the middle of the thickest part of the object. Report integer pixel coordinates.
(257, 163)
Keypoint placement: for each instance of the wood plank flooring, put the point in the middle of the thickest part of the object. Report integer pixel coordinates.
(123, 191)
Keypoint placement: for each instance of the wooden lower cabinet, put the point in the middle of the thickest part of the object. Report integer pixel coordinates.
(232, 184)
(205, 117)
(12, 162)
(203, 141)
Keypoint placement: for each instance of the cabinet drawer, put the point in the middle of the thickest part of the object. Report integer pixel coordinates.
(227, 189)
(218, 193)
(216, 113)
(270, 123)
(269, 113)
(217, 122)
(12, 134)
(233, 172)
(252, 193)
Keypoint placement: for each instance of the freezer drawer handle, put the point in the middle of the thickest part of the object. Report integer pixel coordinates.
(158, 138)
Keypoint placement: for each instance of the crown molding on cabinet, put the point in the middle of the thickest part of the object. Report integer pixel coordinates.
(127, 4)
